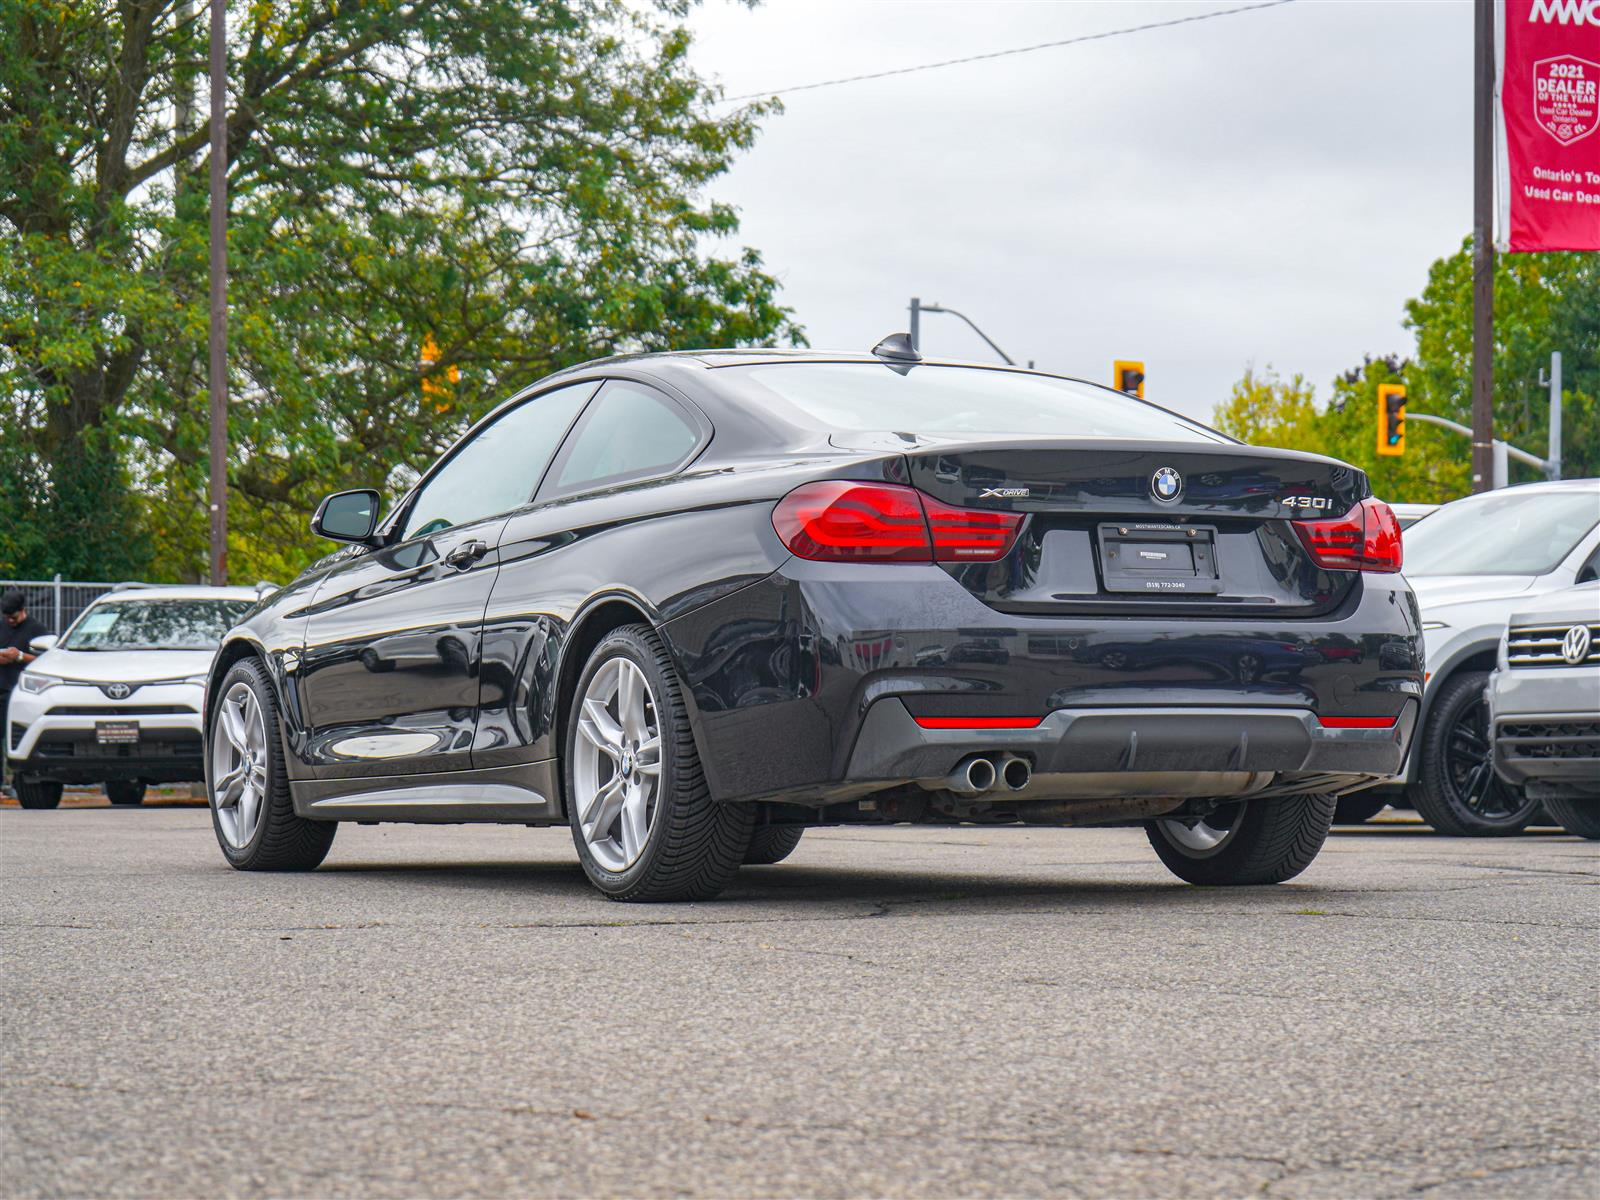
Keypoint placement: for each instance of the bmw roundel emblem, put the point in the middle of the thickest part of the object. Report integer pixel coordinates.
(1166, 484)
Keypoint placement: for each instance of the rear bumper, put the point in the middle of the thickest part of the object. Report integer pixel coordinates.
(893, 747)
(809, 683)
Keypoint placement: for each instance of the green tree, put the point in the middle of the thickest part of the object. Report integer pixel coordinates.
(1543, 302)
(519, 182)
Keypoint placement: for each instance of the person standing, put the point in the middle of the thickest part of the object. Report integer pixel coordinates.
(17, 631)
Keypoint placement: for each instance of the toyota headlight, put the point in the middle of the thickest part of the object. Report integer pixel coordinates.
(34, 682)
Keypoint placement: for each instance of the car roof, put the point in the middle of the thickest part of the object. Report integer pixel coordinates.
(1542, 485)
(140, 591)
(746, 356)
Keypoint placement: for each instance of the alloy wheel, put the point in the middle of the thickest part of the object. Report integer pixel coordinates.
(617, 769)
(239, 764)
(1469, 766)
(1201, 837)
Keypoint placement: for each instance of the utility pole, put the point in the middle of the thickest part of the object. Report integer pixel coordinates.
(1483, 247)
(918, 308)
(218, 340)
(1553, 457)
(916, 323)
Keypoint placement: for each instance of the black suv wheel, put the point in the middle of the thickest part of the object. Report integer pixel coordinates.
(38, 793)
(125, 791)
(1456, 790)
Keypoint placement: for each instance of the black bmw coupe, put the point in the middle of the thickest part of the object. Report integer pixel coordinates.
(695, 603)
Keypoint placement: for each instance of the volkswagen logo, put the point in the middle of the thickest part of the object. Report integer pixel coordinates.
(1575, 646)
(118, 691)
(1166, 484)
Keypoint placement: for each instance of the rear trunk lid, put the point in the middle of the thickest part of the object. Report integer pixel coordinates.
(1131, 527)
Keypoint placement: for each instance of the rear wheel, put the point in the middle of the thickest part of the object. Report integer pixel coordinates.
(643, 820)
(38, 793)
(772, 844)
(125, 791)
(1357, 809)
(251, 809)
(1581, 817)
(1457, 791)
(1245, 842)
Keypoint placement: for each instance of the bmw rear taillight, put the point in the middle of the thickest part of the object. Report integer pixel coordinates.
(1367, 538)
(841, 520)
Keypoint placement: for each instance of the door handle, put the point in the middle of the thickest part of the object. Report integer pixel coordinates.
(467, 553)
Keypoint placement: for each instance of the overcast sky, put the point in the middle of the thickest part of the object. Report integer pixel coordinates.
(1264, 188)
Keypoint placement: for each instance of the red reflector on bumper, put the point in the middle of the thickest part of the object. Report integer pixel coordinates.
(978, 722)
(1358, 722)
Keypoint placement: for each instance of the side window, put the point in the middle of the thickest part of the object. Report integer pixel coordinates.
(629, 432)
(498, 469)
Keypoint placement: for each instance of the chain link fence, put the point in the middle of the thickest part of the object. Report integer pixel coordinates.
(56, 603)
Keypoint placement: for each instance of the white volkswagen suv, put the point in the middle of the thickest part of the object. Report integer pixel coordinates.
(1472, 564)
(117, 699)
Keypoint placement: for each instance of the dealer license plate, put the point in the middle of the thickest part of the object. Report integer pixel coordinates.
(116, 733)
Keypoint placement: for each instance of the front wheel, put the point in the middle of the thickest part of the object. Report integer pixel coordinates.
(1581, 817)
(1244, 842)
(38, 793)
(1457, 791)
(125, 791)
(643, 820)
(251, 809)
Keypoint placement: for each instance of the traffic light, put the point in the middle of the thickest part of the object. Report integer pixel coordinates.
(1391, 419)
(1129, 377)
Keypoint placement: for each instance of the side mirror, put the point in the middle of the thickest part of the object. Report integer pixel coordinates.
(40, 644)
(348, 516)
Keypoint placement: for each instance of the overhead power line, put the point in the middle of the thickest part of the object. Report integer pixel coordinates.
(972, 58)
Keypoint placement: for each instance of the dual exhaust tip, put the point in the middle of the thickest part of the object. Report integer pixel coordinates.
(980, 773)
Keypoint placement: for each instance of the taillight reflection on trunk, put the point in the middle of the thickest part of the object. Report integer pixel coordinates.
(1367, 538)
(844, 521)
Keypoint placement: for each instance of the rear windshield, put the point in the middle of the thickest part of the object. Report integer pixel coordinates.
(1501, 533)
(155, 624)
(870, 397)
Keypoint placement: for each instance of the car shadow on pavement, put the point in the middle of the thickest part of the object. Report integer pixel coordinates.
(795, 890)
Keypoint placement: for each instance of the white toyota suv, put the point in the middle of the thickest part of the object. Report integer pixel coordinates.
(117, 699)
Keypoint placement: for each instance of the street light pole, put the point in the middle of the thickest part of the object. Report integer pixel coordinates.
(217, 346)
(918, 308)
(1483, 248)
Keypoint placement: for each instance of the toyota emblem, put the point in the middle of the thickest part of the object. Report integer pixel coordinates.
(1166, 484)
(1575, 646)
(118, 691)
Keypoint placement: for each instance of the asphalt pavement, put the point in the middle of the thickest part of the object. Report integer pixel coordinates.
(903, 1012)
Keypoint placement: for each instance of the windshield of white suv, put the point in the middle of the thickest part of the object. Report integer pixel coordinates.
(1501, 533)
(155, 624)
(870, 397)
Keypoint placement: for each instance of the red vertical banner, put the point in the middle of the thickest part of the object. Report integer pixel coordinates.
(1548, 83)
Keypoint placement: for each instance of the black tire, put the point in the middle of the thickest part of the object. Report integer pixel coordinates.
(1267, 841)
(281, 840)
(1358, 809)
(772, 844)
(1581, 817)
(125, 792)
(695, 846)
(37, 793)
(1456, 790)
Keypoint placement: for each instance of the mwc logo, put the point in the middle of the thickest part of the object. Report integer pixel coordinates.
(1566, 12)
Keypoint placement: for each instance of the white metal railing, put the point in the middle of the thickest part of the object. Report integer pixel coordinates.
(57, 602)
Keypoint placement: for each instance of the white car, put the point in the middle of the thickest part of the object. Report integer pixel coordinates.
(117, 699)
(1472, 564)
(1544, 705)
(1409, 514)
